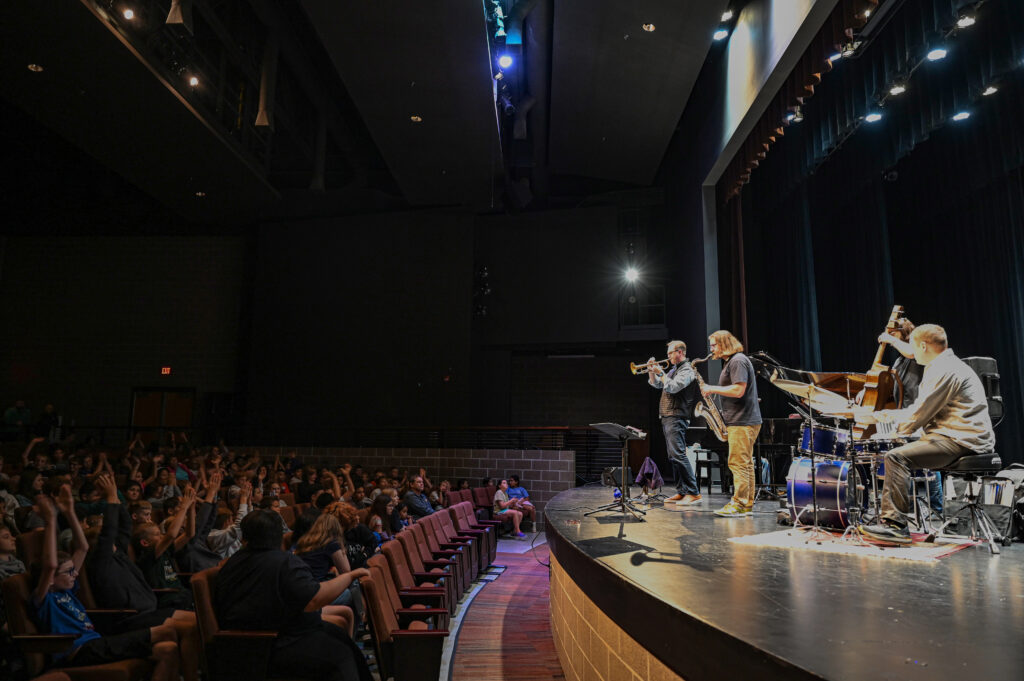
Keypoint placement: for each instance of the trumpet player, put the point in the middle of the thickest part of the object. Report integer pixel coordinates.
(679, 394)
(738, 390)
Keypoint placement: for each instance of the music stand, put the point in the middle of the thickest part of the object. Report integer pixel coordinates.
(623, 434)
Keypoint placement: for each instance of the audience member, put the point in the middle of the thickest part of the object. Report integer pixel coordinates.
(59, 611)
(153, 555)
(306, 646)
(416, 501)
(521, 500)
(505, 508)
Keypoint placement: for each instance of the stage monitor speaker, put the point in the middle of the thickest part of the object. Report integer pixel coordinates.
(612, 477)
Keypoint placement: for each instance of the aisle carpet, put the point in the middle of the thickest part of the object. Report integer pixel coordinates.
(506, 633)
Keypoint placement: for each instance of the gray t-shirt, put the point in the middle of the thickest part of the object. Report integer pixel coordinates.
(740, 411)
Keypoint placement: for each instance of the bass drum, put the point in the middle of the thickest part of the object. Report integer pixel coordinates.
(839, 491)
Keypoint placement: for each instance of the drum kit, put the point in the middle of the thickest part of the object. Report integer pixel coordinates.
(835, 482)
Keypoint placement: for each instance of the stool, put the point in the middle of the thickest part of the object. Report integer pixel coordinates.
(704, 467)
(973, 468)
(927, 478)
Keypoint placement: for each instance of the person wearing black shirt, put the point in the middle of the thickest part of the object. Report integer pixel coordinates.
(262, 587)
(738, 390)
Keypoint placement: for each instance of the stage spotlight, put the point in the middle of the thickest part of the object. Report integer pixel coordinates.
(726, 15)
(649, 28)
(632, 275)
(873, 117)
(962, 116)
(128, 14)
(937, 54)
(35, 68)
(966, 21)
(505, 61)
(897, 89)
(193, 81)
(835, 56)
(990, 90)
(721, 34)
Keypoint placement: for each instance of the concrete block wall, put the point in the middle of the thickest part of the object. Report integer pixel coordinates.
(543, 472)
(590, 645)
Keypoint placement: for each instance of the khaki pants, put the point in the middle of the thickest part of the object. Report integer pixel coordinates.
(741, 463)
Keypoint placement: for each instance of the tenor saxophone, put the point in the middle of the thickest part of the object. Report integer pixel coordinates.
(707, 409)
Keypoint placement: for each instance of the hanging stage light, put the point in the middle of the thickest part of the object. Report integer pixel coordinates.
(873, 117)
(937, 54)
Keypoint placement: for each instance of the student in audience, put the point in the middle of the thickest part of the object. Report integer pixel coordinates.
(273, 504)
(379, 519)
(521, 500)
(29, 485)
(404, 520)
(141, 512)
(59, 611)
(359, 540)
(196, 554)
(439, 497)
(153, 550)
(505, 508)
(163, 488)
(226, 539)
(462, 484)
(262, 587)
(119, 584)
(307, 486)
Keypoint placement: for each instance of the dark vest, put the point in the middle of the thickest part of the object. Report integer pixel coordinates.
(680, 404)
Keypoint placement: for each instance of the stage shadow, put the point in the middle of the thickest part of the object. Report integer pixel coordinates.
(641, 557)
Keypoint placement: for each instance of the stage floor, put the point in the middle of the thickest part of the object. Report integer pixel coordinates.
(808, 614)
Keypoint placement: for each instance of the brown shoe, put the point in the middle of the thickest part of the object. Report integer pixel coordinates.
(675, 497)
(690, 500)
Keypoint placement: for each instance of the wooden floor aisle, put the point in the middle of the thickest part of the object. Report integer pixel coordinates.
(506, 634)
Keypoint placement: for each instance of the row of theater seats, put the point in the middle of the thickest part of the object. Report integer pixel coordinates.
(414, 585)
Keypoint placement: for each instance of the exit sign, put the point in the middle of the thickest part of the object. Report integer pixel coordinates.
(165, 371)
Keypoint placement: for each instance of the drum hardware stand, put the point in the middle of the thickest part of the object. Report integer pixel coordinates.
(815, 530)
(623, 503)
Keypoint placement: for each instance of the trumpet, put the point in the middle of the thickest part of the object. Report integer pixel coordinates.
(642, 368)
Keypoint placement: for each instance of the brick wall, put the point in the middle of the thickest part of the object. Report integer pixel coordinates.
(590, 644)
(544, 473)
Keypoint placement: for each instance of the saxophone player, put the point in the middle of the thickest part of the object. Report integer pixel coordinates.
(738, 391)
(679, 394)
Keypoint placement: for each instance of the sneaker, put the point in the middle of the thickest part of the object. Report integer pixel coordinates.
(731, 510)
(889, 533)
(690, 500)
(520, 535)
(675, 497)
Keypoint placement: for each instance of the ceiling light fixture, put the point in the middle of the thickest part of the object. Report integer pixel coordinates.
(649, 28)
(193, 81)
(835, 56)
(990, 90)
(966, 21)
(721, 34)
(873, 117)
(201, 194)
(897, 89)
(962, 116)
(35, 68)
(726, 15)
(505, 61)
(937, 54)
(415, 119)
(128, 14)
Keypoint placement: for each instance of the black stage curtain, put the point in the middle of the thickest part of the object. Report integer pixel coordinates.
(915, 209)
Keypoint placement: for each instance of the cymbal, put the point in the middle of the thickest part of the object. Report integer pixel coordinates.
(847, 414)
(818, 398)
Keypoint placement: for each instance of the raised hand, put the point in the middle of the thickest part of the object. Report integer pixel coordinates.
(47, 511)
(65, 502)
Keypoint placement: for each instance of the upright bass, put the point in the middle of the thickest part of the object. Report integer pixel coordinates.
(878, 388)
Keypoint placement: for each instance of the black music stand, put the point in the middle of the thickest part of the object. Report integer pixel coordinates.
(623, 434)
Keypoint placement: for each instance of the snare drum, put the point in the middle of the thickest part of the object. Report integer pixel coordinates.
(839, 492)
(827, 441)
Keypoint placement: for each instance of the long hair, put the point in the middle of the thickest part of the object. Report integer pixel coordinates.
(728, 344)
(380, 509)
(347, 515)
(325, 530)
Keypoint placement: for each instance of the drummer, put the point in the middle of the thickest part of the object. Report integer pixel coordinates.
(910, 374)
(952, 410)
